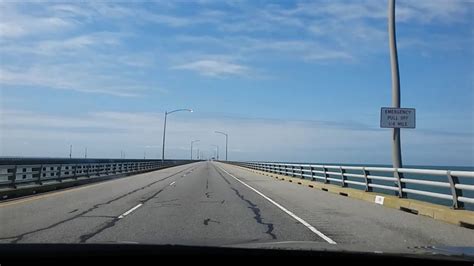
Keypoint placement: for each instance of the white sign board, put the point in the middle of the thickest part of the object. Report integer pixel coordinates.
(397, 117)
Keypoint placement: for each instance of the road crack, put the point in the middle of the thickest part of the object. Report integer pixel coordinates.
(206, 221)
(255, 209)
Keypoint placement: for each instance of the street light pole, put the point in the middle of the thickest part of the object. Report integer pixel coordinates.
(226, 141)
(192, 142)
(396, 146)
(164, 131)
(217, 154)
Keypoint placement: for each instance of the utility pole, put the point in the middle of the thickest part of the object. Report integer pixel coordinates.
(85, 153)
(70, 151)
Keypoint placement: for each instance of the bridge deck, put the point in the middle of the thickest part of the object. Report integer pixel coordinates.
(210, 203)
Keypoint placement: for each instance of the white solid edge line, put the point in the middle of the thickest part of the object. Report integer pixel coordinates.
(310, 227)
(172, 183)
(129, 211)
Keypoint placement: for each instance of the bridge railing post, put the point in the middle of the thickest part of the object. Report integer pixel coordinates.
(366, 180)
(40, 174)
(325, 175)
(343, 177)
(15, 170)
(301, 172)
(74, 172)
(398, 176)
(59, 169)
(87, 166)
(453, 180)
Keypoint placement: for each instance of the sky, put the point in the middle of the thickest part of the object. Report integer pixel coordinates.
(299, 81)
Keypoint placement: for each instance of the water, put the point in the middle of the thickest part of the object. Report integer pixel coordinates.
(447, 191)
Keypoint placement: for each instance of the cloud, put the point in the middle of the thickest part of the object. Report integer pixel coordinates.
(214, 68)
(345, 29)
(66, 77)
(434, 11)
(77, 43)
(14, 24)
(106, 133)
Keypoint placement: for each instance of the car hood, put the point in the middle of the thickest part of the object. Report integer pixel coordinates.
(451, 251)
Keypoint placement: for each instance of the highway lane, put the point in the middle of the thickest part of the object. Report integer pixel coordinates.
(65, 216)
(207, 207)
(210, 203)
(355, 223)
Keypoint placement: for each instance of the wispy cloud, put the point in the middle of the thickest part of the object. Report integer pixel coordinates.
(66, 78)
(215, 68)
(14, 24)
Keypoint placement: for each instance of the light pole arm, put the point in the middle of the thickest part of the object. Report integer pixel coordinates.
(178, 110)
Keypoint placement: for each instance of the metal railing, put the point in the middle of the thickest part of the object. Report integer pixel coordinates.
(38, 172)
(440, 184)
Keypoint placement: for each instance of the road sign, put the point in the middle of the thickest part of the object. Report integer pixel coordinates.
(397, 117)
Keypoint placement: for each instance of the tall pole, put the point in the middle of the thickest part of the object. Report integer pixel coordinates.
(164, 131)
(192, 142)
(70, 151)
(164, 136)
(85, 153)
(226, 141)
(396, 146)
(217, 151)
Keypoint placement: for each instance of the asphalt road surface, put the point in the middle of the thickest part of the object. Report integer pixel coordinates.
(211, 203)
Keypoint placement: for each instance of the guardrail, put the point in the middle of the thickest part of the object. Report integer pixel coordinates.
(16, 172)
(383, 178)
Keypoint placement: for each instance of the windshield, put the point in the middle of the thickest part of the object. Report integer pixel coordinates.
(344, 125)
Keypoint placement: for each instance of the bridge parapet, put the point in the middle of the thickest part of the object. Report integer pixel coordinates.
(457, 187)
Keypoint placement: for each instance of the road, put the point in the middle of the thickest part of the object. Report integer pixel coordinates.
(211, 203)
